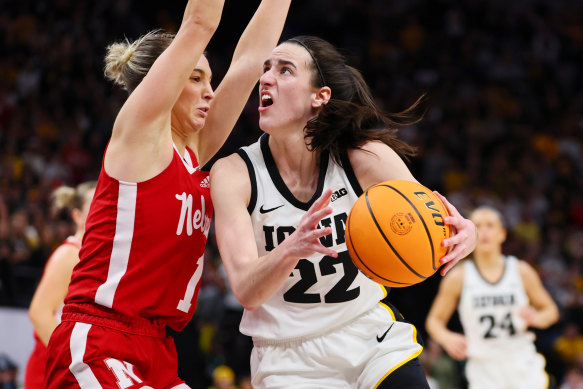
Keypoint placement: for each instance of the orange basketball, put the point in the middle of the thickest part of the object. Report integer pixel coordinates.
(394, 233)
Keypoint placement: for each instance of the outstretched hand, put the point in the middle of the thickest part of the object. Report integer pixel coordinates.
(463, 240)
(305, 240)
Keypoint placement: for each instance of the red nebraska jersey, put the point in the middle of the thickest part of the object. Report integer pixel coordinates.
(143, 247)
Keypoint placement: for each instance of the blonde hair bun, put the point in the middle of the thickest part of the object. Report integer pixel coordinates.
(117, 56)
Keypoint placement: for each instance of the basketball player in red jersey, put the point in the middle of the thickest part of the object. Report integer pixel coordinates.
(142, 255)
(47, 302)
(281, 209)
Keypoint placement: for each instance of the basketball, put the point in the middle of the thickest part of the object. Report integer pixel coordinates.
(394, 232)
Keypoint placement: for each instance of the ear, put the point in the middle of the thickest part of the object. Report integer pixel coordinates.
(504, 235)
(321, 97)
(77, 216)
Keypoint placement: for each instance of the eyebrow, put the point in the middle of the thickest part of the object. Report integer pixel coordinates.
(281, 62)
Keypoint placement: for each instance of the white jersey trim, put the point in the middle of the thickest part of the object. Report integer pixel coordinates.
(186, 160)
(122, 243)
(78, 368)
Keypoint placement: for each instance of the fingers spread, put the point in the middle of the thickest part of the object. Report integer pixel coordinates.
(323, 200)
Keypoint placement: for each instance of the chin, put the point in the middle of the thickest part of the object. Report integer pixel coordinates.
(264, 124)
(199, 125)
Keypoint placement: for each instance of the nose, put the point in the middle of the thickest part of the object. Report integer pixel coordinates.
(267, 78)
(208, 94)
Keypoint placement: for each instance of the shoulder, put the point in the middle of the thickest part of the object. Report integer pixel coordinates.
(370, 152)
(454, 280)
(376, 162)
(457, 273)
(232, 164)
(64, 256)
(527, 272)
(64, 250)
(230, 177)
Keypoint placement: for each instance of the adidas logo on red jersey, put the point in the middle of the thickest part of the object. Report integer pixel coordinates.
(206, 183)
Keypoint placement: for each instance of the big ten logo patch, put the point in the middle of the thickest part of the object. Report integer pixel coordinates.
(337, 194)
(124, 373)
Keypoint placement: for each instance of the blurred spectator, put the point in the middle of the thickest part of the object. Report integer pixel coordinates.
(570, 344)
(223, 378)
(8, 373)
(574, 376)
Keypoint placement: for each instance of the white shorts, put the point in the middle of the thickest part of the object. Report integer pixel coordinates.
(524, 371)
(354, 356)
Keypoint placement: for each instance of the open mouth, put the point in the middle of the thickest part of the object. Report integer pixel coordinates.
(266, 100)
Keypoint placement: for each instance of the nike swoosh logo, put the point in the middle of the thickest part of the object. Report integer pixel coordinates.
(380, 339)
(263, 210)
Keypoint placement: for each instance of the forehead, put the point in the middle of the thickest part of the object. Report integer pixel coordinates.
(203, 64)
(291, 52)
(486, 215)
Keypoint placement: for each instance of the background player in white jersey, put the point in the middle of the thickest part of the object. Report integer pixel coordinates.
(498, 297)
(281, 206)
(142, 255)
(47, 302)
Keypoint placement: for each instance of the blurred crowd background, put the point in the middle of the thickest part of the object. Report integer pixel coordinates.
(503, 126)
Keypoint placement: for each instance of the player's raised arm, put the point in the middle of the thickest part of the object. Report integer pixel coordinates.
(141, 139)
(256, 42)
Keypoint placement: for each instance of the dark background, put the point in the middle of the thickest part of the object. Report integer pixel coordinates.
(503, 127)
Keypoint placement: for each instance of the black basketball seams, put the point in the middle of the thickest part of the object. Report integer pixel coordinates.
(364, 264)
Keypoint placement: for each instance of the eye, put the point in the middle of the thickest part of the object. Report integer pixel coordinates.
(195, 78)
(285, 70)
(266, 69)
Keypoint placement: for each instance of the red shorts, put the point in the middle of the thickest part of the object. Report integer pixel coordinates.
(34, 377)
(83, 355)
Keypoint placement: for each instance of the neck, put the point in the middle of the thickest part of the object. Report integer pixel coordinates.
(297, 165)
(79, 234)
(488, 259)
(179, 141)
(182, 139)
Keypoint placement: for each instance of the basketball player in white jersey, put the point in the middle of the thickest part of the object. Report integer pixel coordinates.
(498, 297)
(281, 207)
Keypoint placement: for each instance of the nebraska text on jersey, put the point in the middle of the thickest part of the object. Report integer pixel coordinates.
(144, 243)
(200, 221)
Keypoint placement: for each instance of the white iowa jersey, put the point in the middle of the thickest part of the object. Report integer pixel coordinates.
(322, 292)
(489, 313)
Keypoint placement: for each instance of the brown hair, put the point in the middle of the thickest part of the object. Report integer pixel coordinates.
(351, 117)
